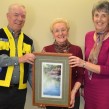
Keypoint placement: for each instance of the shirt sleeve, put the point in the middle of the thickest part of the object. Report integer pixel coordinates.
(80, 70)
(30, 75)
(30, 70)
(5, 60)
(104, 69)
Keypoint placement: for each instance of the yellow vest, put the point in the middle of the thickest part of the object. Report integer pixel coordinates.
(26, 49)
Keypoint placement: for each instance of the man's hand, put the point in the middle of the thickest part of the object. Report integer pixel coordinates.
(29, 58)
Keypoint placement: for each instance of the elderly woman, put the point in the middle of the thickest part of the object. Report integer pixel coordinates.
(96, 83)
(60, 30)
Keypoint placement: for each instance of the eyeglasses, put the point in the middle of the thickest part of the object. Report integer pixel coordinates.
(60, 30)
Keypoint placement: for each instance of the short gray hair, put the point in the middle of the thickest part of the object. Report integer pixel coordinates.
(102, 5)
(12, 6)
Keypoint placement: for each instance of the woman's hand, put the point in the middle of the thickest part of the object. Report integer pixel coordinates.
(72, 101)
(42, 106)
(75, 61)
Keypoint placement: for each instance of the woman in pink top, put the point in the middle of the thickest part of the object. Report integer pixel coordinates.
(96, 82)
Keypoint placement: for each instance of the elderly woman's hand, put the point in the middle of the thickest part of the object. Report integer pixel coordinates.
(72, 101)
(41, 106)
(75, 61)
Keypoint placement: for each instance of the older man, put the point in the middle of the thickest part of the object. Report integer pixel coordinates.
(16, 59)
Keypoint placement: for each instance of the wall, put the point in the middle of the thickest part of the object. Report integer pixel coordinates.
(40, 13)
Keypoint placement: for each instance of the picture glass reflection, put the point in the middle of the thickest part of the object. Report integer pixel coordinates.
(52, 80)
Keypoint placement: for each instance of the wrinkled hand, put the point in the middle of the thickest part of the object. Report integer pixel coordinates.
(75, 61)
(42, 106)
(72, 101)
(29, 58)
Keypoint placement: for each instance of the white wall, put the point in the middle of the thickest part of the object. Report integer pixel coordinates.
(40, 13)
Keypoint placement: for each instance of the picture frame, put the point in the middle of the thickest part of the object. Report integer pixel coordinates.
(51, 79)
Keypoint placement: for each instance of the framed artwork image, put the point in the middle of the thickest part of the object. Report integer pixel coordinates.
(51, 79)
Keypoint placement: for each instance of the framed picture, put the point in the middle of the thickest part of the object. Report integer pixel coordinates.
(51, 79)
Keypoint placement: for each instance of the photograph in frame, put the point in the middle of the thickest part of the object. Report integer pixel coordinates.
(51, 79)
